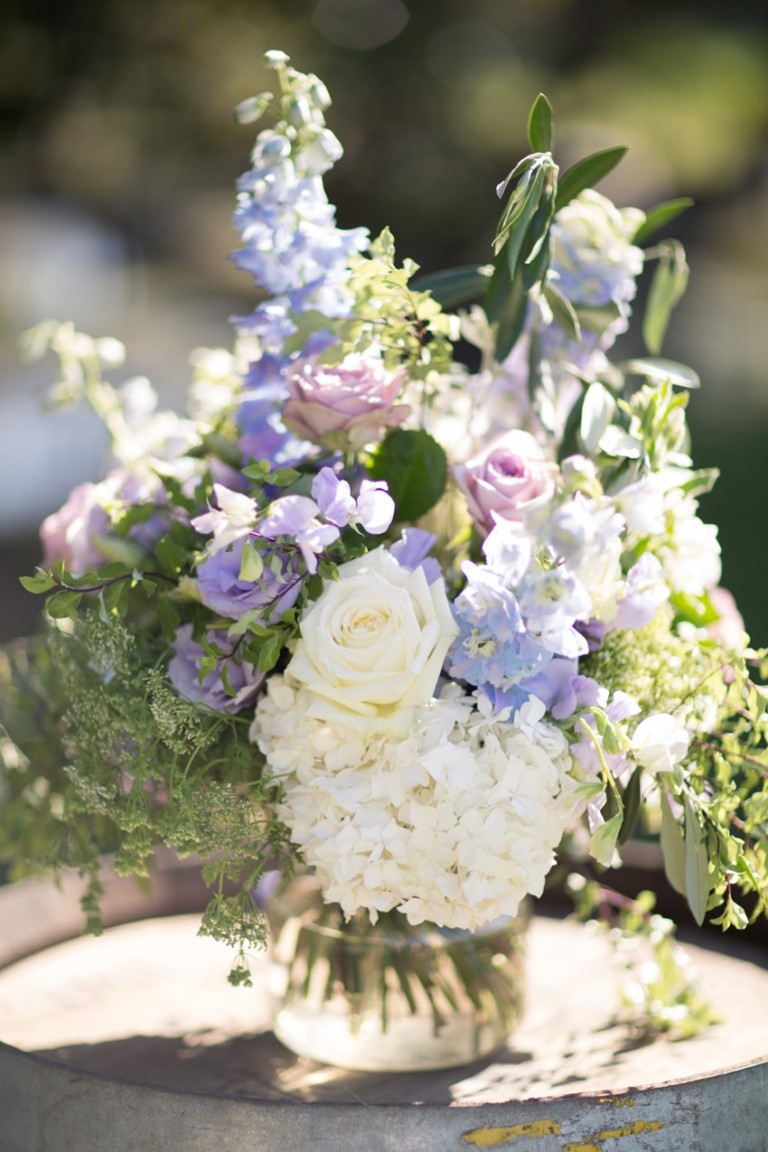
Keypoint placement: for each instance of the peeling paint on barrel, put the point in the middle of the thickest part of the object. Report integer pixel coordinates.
(492, 1137)
(595, 1143)
(631, 1130)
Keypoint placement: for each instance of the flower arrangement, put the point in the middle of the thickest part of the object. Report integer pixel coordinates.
(418, 598)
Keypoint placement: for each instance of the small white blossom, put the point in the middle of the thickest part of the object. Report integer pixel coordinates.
(660, 742)
(233, 519)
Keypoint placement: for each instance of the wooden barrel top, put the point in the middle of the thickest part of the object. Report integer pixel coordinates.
(148, 1003)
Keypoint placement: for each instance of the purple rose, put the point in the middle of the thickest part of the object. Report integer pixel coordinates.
(184, 673)
(222, 590)
(345, 407)
(506, 480)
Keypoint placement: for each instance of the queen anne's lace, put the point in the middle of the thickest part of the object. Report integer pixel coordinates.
(456, 823)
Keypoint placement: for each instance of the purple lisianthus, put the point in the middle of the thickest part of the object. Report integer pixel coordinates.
(184, 673)
(222, 590)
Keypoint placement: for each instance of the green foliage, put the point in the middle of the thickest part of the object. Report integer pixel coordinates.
(540, 126)
(415, 468)
(712, 814)
(390, 313)
(586, 173)
(522, 241)
(657, 217)
(111, 759)
(667, 287)
(453, 286)
(506, 304)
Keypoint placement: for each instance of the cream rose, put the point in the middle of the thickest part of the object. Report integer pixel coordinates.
(372, 645)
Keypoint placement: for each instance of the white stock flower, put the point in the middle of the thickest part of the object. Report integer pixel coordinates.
(642, 505)
(372, 645)
(660, 742)
(690, 553)
(593, 253)
(454, 824)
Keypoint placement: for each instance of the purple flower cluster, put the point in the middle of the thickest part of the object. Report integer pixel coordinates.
(288, 540)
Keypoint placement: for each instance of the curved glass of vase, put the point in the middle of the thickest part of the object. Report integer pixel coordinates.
(391, 996)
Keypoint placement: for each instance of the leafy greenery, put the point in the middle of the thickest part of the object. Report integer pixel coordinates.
(110, 759)
(712, 816)
(416, 469)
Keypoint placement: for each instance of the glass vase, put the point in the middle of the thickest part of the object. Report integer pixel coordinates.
(390, 997)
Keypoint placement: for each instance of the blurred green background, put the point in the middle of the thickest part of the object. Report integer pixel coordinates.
(119, 153)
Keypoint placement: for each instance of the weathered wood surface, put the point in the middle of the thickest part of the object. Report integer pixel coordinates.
(134, 1040)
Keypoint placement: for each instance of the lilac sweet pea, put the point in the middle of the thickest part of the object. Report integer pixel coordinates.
(231, 521)
(183, 672)
(646, 592)
(373, 510)
(296, 517)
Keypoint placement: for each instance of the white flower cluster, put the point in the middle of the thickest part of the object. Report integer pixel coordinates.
(455, 823)
(593, 258)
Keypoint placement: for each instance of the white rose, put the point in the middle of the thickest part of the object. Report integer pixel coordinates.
(372, 645)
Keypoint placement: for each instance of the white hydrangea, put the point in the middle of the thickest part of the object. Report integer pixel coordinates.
(453, 824)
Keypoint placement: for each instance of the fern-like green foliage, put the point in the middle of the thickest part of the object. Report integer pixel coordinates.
(102, 756)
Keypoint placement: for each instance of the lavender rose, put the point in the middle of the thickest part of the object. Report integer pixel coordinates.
(221, 589)
(506, 480)
(184, 667)
(70, 534)
(343, 408)
(82, 536)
